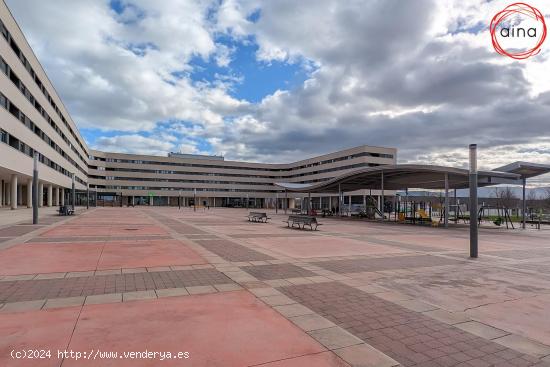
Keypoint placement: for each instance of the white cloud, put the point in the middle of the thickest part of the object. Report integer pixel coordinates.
(421, 76)
(133, 144)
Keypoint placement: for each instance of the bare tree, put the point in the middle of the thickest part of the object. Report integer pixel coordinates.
(506, 197)
(533, 200)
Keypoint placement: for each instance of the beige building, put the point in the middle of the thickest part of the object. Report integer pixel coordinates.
(212, 181)
(33, 120)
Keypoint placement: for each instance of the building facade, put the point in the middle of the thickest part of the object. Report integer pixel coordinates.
(131, 179)
(33, 120)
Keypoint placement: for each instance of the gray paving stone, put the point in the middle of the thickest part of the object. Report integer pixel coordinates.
(335, 337)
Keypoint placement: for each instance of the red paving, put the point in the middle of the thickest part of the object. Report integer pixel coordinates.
(38, 330)
(229, 329)
(49, 258)
(147, 254)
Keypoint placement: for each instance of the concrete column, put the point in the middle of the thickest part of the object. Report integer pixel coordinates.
(7, 194)
(19, 194)
(50, 195)
(29, 193)
(13, 195)
(40, 194)
(2, 193)
(151, 201)
(56, 196)
(62, 194)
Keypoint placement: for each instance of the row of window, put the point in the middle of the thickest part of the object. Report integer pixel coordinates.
(39, 84)
(109, 178)
(15, 143)
(133, 161)
(202, 189)
(111, 169)
(25, 91)
(16, 112)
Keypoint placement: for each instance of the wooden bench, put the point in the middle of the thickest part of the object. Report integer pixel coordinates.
(302, 221)
(65, 210)
(257, 217)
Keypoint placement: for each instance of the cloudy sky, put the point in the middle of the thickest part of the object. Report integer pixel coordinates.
(275, 80)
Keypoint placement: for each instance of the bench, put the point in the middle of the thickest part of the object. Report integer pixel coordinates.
(257, 217)
(65, 210)
(302, 221)
(296, 211)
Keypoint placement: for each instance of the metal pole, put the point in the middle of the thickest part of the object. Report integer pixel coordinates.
(446, 220)
(524, 205)
(194, 200)
(35, 190)
(382, 197)
(339, 200)
(473, 202)
(73, 193)
(456, 208)
(87, 196)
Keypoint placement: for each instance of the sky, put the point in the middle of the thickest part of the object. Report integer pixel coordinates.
(278, 81)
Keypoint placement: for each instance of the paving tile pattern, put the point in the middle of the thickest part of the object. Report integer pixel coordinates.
(18, 230)
(385, 263)
(232, 252)
(177, 226)
(277, 271)
(522, 254)
(28, 290)
(263, 235)
(409, 337)
(97, 238)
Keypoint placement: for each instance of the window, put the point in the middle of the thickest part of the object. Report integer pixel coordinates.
(3, 101)
(3, 30)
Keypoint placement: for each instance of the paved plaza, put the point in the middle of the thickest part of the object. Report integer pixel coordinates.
(215, 290)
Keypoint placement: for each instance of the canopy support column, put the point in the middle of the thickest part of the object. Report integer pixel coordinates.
(286, 199)
(523, 205)
(382, 195)
(339, 200)
(446, 200)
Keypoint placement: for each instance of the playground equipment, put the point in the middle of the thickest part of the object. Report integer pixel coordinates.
(503, 215)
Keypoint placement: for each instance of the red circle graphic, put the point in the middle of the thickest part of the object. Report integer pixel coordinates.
(510, 10)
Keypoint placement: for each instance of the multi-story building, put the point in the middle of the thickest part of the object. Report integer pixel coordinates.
(213, 181)
(33, 120)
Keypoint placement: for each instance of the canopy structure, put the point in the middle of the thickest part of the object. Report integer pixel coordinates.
(404, 176)
(418, 176)
(525, 169)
